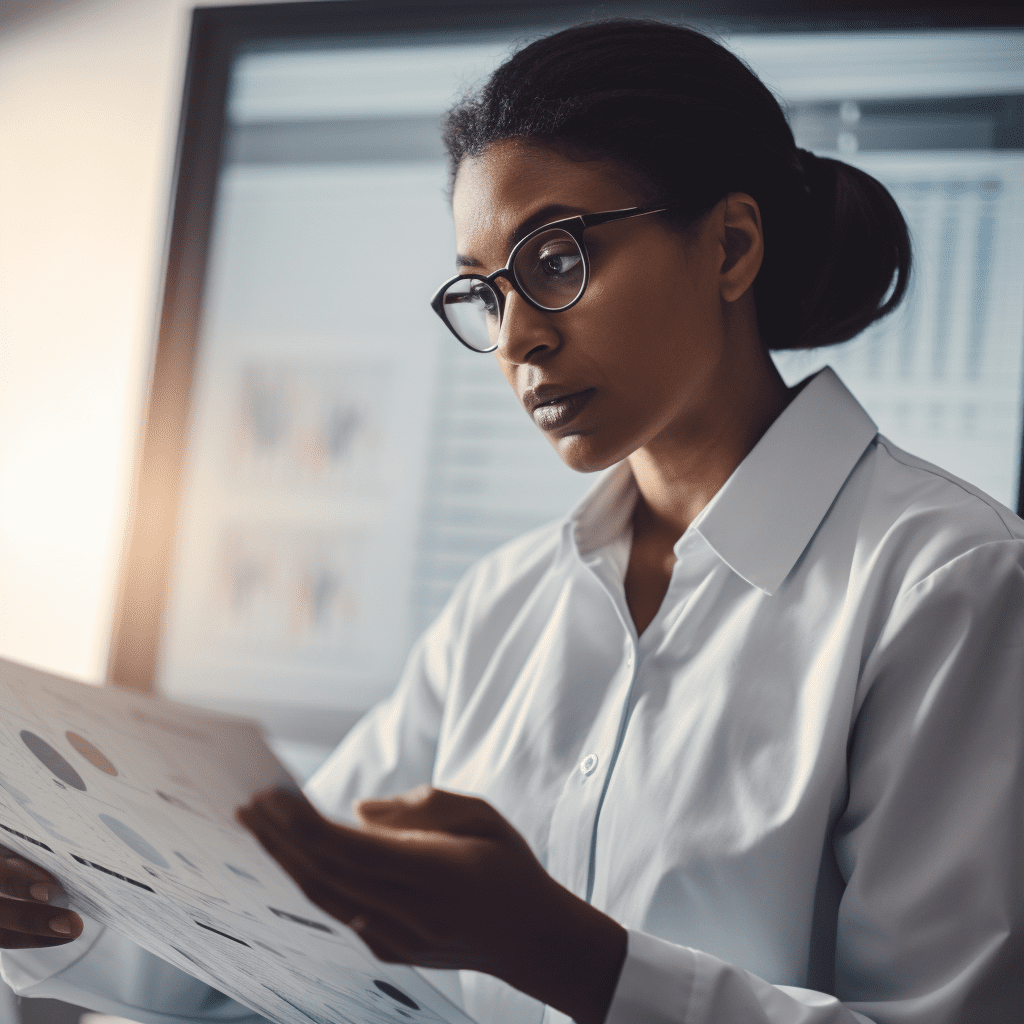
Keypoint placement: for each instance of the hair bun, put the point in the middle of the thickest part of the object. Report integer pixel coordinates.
(859, 258)
(806, 159)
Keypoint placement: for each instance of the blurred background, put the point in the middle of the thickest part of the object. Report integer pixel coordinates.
(339, 460)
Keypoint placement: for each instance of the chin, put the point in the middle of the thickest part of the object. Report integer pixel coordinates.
(582, 453)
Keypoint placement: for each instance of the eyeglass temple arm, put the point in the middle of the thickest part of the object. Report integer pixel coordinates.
(592, 219)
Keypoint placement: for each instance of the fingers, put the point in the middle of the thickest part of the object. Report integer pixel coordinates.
(392, 941)
(32, 921)
(19, 940)
(24, 880)
(28, 918)
(289, 810)
(362, 906)
(320, 867)
(435, 810)
(352, 850)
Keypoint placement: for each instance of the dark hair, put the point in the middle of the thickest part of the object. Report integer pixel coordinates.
(695, 123)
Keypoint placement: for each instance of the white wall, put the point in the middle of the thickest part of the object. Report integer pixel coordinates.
(90, 90)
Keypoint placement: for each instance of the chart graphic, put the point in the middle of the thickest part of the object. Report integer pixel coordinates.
(395, 993)
(242, 873)
(278, 586)
(52, 759)
(92, 754)
(195, 889)
(313, 424)
(177, 802)
(131, 838)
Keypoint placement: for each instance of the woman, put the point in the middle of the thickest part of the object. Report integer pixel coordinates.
(740, 739)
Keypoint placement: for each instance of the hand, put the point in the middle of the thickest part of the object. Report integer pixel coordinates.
(26, 921)
(436, 879)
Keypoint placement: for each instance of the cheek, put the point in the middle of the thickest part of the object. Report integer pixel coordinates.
(645, 330)
(655, 342)
(508, 369)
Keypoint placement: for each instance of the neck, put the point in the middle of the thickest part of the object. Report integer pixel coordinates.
(683, 468)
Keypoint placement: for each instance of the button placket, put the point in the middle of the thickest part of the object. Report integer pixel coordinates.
(574, 821)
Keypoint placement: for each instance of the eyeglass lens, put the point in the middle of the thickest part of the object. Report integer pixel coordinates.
(549, 269)
(471, 307)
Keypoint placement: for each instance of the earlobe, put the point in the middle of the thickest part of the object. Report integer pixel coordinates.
(743, 244)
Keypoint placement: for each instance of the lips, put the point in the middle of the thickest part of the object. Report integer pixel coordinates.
(559, 409)
(543, 394)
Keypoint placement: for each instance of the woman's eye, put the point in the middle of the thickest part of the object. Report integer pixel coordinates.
(485, 296)
(555, 264)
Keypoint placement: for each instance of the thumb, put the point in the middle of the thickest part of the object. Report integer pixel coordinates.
(434, 810)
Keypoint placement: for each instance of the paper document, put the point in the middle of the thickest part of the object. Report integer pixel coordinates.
(129, 801)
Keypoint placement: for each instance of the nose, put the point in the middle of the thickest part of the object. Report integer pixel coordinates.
(526, 334)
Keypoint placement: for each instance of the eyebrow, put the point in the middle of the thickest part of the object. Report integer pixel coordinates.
(551, 212)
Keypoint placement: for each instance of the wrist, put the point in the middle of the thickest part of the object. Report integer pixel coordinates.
(573, 958)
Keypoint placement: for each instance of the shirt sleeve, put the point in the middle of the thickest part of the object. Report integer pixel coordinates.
(391, 749)
(108, 973)
(931, 922)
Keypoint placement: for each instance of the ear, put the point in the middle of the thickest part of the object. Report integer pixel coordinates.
(739, 224)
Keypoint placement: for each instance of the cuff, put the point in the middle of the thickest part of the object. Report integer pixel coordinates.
(655, 984)
(22, 969)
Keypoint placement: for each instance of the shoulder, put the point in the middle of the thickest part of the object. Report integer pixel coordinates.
(500, 582)
(514, 568)
(928, 486)
(914, 518)
(941, 564)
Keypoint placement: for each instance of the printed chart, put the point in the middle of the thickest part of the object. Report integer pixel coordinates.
(130, 802)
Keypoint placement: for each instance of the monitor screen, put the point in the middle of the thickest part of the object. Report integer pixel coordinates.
(346, 460)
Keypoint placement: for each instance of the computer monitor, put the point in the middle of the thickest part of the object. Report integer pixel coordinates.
(323, 461)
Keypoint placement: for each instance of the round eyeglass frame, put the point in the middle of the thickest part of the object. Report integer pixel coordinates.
(574, 226)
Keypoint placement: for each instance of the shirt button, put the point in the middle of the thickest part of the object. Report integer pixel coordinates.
(589, 764)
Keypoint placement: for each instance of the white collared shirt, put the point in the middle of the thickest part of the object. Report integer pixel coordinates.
(800, 789)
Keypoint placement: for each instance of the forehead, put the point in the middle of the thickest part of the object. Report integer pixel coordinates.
(511, 180)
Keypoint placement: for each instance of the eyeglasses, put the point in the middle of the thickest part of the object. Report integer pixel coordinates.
(549, 268)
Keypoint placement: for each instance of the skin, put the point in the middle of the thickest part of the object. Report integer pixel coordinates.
(27, 920)
(666, 335)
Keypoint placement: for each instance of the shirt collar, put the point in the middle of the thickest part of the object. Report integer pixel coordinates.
(765, 514)
(605, 513)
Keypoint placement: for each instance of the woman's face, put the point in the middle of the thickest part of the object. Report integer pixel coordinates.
(643, 353)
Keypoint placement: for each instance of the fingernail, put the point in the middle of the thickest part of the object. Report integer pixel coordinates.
(42, 892)
(60, 925)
